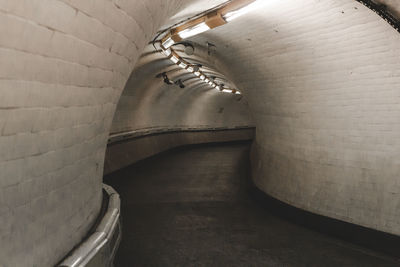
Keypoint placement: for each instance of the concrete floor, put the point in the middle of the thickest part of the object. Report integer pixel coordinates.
(191, 207)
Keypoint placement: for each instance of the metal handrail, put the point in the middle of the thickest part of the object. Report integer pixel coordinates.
(103, 233)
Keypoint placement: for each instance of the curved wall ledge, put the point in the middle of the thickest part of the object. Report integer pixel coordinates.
(375, 240)
(100, 247)
(127, 148)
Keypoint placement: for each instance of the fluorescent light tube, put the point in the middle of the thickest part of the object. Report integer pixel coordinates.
(174, 59)
(166, 52)
(197, 73)
(202, 77)
(237, 13)
(190, 69)
(167, 43)
(197, 29)
(183, 65)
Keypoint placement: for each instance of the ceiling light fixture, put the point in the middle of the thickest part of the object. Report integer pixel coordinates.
(231, 15)
(192, 31)
(166, 52)
(183, 65)
(168, 42)
(204, 23)
(174, 59)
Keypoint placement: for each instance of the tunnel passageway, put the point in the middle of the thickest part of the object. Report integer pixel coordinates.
(191, 207)
(88, 88)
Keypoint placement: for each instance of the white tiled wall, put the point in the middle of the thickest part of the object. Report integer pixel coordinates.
(63, 66)
(323, 83)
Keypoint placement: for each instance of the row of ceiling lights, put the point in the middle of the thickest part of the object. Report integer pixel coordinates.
(176, 59)
(209, 21)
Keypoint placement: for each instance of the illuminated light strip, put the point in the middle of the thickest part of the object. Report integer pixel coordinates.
(174, 59)
(167, 52)
(209, 21)
(197, 29)
(183, 65)
(167, 43)
(238, 12)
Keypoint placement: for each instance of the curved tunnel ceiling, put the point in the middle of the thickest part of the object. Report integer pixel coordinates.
(147, 102)
(320, 78)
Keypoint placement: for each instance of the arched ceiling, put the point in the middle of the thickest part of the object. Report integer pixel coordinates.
(321, 79)
(147, 102)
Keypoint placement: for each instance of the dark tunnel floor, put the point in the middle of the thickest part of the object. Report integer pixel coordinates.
(191, 207)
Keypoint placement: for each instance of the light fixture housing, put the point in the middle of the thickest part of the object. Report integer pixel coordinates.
(168, 42)
(174, 59)
(233, 14)
(218, 17)
(167, 52)
(182, 64)
(192, 31)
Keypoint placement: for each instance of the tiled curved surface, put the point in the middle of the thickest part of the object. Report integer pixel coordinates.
(321, 79)
(64, 65)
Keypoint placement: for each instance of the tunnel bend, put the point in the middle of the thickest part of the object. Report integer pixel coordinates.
(320, 79)
(317, 79)
(68, 62)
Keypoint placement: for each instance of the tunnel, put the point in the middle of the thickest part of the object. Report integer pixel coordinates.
(199, 133)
